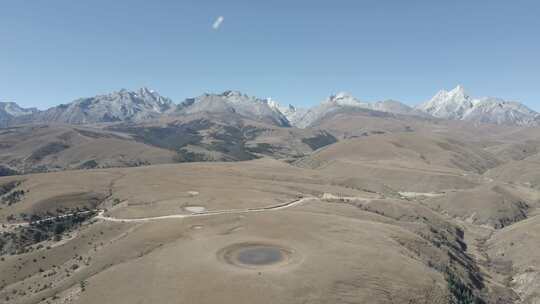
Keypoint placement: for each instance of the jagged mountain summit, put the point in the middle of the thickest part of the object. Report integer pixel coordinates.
(264, 110)
(123, 105)
(448, 104)
(292, 113)
(331, 104)
(458, 105)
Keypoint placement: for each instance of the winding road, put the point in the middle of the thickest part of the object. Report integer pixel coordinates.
(101, 214)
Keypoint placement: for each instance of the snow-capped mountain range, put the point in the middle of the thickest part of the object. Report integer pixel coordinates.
(145, 104)
(457, 105)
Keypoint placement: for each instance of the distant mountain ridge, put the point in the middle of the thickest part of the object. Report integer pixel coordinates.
(146, 104)
(264, 110)
(345, 101)
(123, 105)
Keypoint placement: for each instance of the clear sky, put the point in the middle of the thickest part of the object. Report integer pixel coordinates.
(295, 51)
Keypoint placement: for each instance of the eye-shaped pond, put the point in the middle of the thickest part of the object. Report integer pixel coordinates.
(255, 255)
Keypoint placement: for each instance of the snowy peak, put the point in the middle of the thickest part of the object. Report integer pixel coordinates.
(499, 111)
(143, 96)
(151, 96)
(274, 104)
(458, 92)
(448, 104)
(458, 105)
(292, 113)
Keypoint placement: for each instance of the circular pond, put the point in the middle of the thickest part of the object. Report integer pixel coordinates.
(255, 255)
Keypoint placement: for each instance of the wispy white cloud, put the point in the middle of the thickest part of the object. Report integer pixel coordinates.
(218, 22)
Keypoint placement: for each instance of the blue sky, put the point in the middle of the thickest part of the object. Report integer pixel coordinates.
(295, 51)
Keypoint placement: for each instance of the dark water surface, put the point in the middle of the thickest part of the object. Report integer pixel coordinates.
(259, 255)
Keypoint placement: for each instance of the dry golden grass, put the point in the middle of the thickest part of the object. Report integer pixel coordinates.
(388, 215)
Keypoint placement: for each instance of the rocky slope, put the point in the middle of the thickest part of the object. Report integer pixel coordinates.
(292, 113)
(253, 108)
(346, 102)
(123, 105)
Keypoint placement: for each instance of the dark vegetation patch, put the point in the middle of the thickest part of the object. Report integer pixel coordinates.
(463, 275)
(464, 278)
(40, 229)
(48, 149)
(231, 140)
(136, 163)
(520, 208)
(320, 140)
(38, 169)
(66, 136)
(5, 171)
(89, 164)
(8, 193)
(262, 148)
(171, 137)
(228, 140)
(66, 203)
(110, 118)
(13, 197)
(520, 215)
(7, 187)
(460, 292)
(184, 156)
